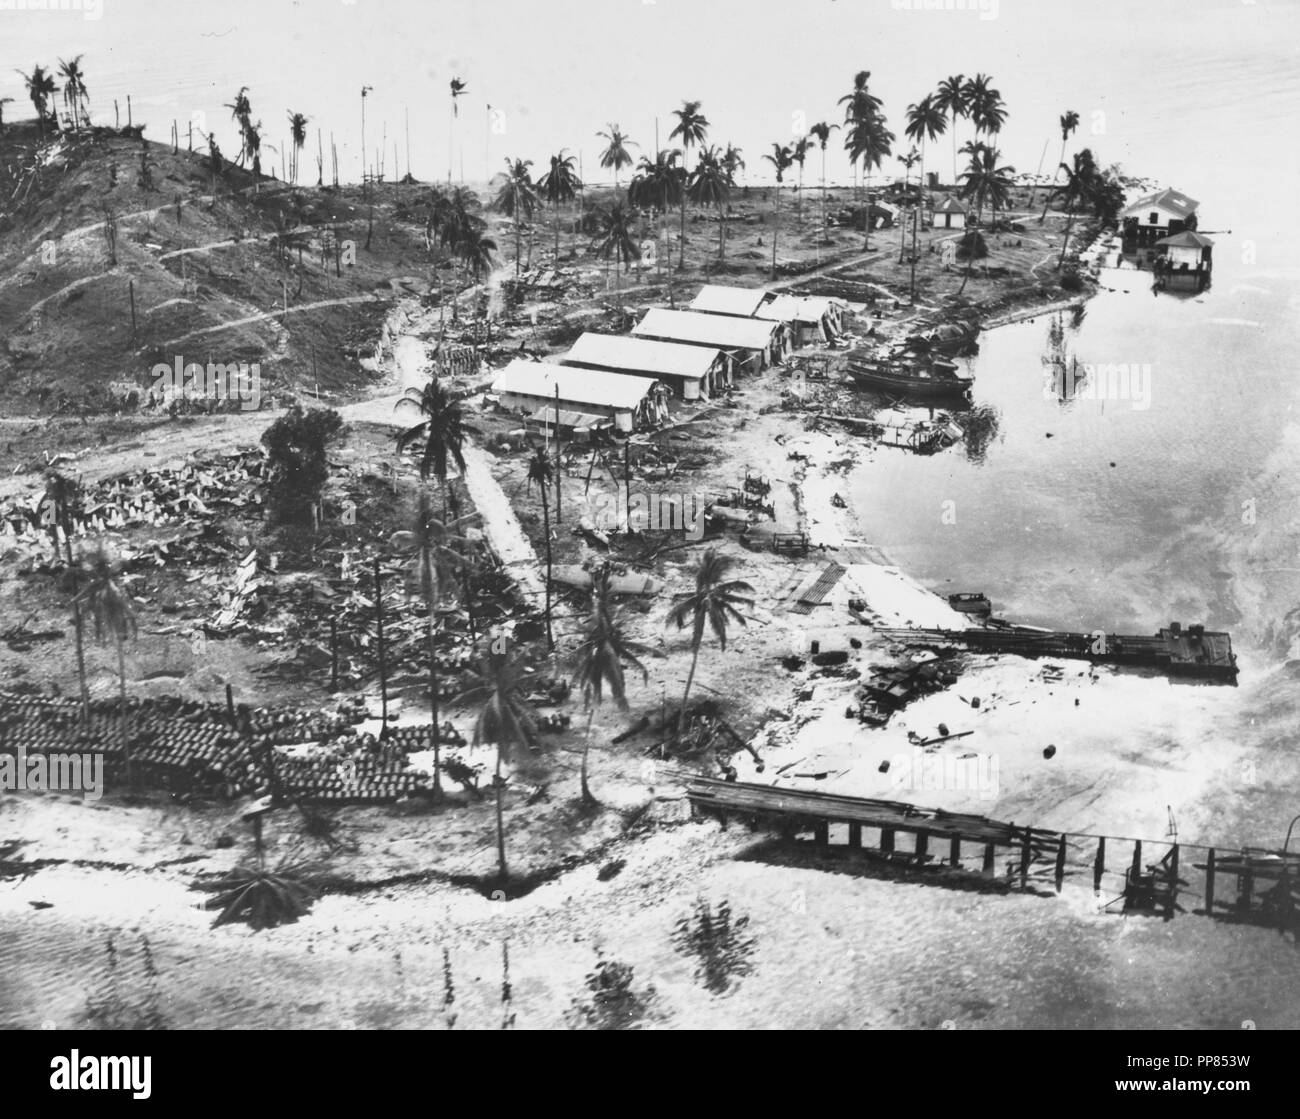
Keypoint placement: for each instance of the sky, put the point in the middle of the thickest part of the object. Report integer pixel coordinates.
(557, 71)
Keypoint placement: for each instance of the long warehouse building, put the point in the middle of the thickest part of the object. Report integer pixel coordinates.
(694, 372)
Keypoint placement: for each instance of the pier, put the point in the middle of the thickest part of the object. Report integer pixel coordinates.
(1128, 875)
(1193, 652)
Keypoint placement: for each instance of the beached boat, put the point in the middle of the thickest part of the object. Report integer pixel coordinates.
(935, 379)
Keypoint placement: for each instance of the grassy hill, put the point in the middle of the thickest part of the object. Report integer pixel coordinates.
(221, 267)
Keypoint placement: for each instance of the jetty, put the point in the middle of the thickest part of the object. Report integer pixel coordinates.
(1191, 652)
(1128, 875)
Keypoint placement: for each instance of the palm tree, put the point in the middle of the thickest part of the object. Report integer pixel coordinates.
(692, 127)
(1076, 188)
(659, 185)
(986, 182)
(799, 152)
(504, 720)
(241, 111)
(298, 136)
(951, 98)
(599, 662)
(559, 185)
(925, 121)
(616, 154)
(542, 471)
(112, 610)
(908, 161)
(1069, 123)
(475, 250)
(732, 161)
(781, 158)
(443, 429)
(75, 94)
(860, 107)
(714, 603)
(822, 131)
(65, 494)
(710, 185)
(985, 105)
(517, 199)
(431, 549)
(458, 90)
(870, 141)
(40, 88)
(614, 238)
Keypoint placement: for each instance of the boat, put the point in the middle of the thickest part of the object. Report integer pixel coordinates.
(958, 339)
(971, 603)
(934, 379)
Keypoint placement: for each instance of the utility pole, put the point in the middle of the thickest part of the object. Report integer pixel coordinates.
(364, 90)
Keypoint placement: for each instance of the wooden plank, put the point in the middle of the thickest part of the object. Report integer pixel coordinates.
(1209, 882)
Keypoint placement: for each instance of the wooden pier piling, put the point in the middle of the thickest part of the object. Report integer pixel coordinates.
(855, 836)
(990, 856)
(1209, 882)
(1060, 864)
(1099, 865)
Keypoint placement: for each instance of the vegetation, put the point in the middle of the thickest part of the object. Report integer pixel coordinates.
(297, 469)
(497, 689)
(713, 604)
(609, 1001)
(692, 129)
(599, 662)
(111, 607)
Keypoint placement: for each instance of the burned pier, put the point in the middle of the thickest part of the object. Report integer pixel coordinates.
(1191, 652)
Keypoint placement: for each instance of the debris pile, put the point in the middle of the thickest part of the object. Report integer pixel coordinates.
(891, 689)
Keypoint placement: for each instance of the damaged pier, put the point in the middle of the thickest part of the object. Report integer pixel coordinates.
(1193, 651)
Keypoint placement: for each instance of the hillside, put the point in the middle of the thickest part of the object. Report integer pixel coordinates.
(208, 274)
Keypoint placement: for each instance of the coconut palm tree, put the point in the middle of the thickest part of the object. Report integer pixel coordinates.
(1077, 188)
(40, 88)
(542, 471)
(113, 612)
(822, 131)
(781, 158)
(475, 250)
(860, 107)
(614, 239)
(75, 94)
(1069, 123)
(951, 98)
(910, 160)
(443, 429)
(868, 140)
(65, 494)
(599, 662)
(985, 105)
(714, 603)
(431, 547)
(298, 137)
(732, 160)
(616, 155)
(692, 128)
(799, 152)
(559, 185)
(710, 185)
(458, 90)
(987, 183)
(658, 186)
(241, 111)
(517, 199)
(925, 121)
(498, 687)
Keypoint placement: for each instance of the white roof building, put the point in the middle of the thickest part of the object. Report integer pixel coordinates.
(718, 299)
(691, 369)
(725, 332)
(529, 385)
